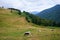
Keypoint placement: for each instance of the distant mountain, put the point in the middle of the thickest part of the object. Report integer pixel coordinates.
(51, 13)
(34, 12)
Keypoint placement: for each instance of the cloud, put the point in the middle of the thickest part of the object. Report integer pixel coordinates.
(57, 1)
(29, 5)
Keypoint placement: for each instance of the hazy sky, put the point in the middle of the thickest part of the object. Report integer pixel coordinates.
(29, 5)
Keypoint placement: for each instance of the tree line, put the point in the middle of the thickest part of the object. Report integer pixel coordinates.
(39, 21)
(35, 19)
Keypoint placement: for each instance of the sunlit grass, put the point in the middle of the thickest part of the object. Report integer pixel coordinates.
(13, 27)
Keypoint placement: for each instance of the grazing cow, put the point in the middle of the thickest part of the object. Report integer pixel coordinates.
(52, 29)
(27, 33)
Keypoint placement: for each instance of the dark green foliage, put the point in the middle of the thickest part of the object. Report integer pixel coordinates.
(19, 12)
(58, 24)
(35, 19)
(28, 19)
(39, 21)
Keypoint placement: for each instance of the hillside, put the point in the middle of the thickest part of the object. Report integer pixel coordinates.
(51, 14)
(13, 26)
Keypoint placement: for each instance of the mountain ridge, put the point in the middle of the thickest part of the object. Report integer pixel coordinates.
(51, 13)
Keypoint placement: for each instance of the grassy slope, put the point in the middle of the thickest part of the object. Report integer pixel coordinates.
(13, 27)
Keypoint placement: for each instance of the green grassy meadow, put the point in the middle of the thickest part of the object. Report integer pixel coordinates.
(13, 27)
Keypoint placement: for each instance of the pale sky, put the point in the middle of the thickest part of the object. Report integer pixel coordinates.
(29, 5)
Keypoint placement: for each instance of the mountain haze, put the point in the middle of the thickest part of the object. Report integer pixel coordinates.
(34, 12)
(51, 13)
